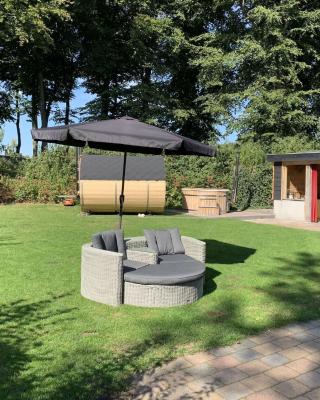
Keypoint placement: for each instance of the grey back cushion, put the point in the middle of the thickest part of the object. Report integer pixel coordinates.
(176, 241)
(111, 241)
(165, 241)
(97, 242)
(151, 239)
(120, 243)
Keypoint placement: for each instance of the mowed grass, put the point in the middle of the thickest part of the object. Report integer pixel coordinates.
(54, 344)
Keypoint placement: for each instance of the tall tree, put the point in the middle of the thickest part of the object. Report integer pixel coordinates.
(137, 58)
(105, 57)
(29, 34)
(274, 69)
(20, 106)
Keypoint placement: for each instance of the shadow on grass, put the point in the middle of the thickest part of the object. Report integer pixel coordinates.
(222, 253)
(21, 325)
(91, 373)
(8, 241)
(209, 283)
(294, 290)
(112, 373)
(103, 374)
(227, 253)
(295, 284)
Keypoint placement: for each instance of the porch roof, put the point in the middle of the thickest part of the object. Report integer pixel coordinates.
(306, 156)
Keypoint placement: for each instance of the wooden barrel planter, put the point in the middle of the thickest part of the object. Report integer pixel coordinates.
(205, 202)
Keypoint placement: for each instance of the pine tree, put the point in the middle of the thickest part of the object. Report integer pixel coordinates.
(269, 78)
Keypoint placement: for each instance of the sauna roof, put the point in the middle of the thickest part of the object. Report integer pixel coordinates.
(305, 156)
(145, 168)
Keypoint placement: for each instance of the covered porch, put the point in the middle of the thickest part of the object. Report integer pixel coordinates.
(296, 186)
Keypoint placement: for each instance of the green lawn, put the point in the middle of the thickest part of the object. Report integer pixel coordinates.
(56, 345)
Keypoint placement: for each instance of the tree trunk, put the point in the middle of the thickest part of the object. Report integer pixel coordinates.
(67, 113)
(146, 81)
(18, 124)
(34, 148)
(48, 110)
(114, 103)
(105, 100)
(236, 176)
(42, 106)
(34, 120)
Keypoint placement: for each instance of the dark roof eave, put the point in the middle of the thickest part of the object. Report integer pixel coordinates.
(306, 157)
(99, 167)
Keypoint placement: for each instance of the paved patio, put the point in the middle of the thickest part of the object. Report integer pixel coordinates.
(261, 213)
(249, 214)
(279, 364)
(308, 226)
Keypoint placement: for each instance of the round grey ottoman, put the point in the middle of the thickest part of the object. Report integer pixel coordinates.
(164, 285)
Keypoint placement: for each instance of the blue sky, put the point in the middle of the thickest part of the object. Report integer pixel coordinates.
(9, 128)
(81, 97)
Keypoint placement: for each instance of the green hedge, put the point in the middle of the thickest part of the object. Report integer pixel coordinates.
(41, 179)
(53, 173)
(195, 171)
(254, 178)
(254, 187)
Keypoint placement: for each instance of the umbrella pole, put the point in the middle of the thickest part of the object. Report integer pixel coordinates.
(121, 197)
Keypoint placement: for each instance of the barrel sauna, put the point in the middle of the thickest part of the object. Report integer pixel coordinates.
(100, 184)
(205, 202)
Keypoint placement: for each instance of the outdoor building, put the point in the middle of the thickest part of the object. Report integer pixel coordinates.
(296, 189)
(100, 183)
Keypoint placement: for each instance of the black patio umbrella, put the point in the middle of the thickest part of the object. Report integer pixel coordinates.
(124, 134)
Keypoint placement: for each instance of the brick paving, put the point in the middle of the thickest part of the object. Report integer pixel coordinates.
(280, 364)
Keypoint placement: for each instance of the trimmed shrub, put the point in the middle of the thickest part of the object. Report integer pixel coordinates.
(43, 178)
(254, 187)
(195, 171)
(7, 195)
(53, 173)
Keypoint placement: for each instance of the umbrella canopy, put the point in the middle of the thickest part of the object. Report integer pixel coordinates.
(123, 134)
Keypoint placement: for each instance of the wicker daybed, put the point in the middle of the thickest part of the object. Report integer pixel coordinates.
(139, 276)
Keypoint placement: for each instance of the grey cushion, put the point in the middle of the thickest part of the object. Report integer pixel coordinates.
(166, 273)
(151, 239)
(110, 241)
(120, 243)
(164, 241)
(176, 241)
(131, 265)
(97, 242)
(172, 258)
(134, 264)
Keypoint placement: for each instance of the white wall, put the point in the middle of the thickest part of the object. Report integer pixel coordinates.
(289, 209)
